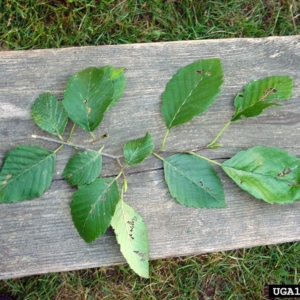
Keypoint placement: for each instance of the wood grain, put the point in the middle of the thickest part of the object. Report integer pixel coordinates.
(38, 236)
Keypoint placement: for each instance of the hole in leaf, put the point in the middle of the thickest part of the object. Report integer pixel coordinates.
(85, 101)
(241, 95)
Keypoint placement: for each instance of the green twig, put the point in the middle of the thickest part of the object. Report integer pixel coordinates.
(72, 145)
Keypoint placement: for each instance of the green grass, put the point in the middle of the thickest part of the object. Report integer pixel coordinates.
(241, 274)
(238, 274)
(31, 24)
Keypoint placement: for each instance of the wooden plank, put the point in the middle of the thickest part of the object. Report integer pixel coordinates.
(38, 236)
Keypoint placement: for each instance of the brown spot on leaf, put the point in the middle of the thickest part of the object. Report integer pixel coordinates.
(267, 93)
(85, 101)
(4, 182)
(284, 172)
(70, 175)
(200, 71)
(8, 176)
(207, 74)
(89, 110)
(102, 198)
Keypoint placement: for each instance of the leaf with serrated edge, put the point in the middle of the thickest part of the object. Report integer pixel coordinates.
(49, 114)
(93, 206)
(83, 168)
(119, 82)
(259, 95)
(131, 234)
(135, 151)
(266, 173)
(26, 173)
(87, 96)
(193, 182)
(191, 91)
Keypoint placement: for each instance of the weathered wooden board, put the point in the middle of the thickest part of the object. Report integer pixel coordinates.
(38, 236)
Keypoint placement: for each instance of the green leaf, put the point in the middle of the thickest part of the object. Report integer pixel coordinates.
(87, 96)
(93, 206)
(259, 95)
(266, 173)
(119, 82)
(83, 168)
(191, 91)
(49, 114)
(192, 181)
(131, 234)
(26, 173)
(136, 151)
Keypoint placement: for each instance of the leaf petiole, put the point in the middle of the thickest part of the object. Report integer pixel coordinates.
(212, 143)
(57, 149)
(164, 139)
(203, 157)
(159, 157)
(71, 132)
(93, 136)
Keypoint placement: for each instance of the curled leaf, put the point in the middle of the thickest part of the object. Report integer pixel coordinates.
(258, 95)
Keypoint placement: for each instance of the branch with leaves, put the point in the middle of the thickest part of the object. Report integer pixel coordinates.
(266, 173)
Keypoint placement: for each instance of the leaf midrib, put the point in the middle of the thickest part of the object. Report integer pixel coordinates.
(27, 170)
(127, 233)
(185, 100)
(90, 161)
(97, 200)
(260, 174)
